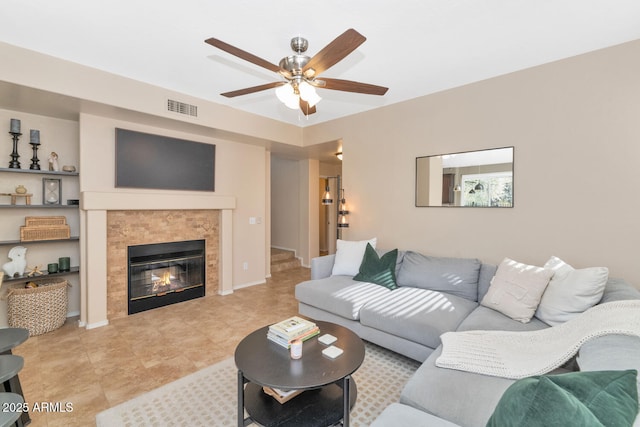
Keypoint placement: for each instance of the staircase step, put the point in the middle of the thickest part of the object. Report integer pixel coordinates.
(284, 265)
(282, 260)
(281, 255)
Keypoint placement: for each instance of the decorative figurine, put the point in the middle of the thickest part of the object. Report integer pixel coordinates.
(18, 263)
(35, 271)
(53, 162)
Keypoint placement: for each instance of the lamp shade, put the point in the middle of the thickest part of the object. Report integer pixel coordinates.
(326, 199)
(343, 222)
(308, 93)
(286, 94)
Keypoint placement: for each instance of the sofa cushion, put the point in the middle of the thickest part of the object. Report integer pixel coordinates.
(349, 256)
(596, 398)
(611, 352)
(398, 414)
(516, 289)
(484, 318)
(618, 290)
(487, 271)
(455, 276)
(418, 315)
(463, 398)
(340, 295)
(378, 270)
(570, 292)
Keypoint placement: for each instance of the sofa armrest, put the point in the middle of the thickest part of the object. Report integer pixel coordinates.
(321, 267)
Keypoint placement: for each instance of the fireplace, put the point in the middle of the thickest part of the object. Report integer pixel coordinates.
(160, 274)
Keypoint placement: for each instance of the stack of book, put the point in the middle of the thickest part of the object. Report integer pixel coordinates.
(293, 328)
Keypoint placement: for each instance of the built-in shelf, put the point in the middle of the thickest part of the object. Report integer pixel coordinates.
(42, 172)
(39, 206)
(25, 278)
(20, 242)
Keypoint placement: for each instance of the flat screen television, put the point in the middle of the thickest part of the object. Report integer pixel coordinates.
(159, 162)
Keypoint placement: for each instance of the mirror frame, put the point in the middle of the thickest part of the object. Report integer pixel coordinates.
(457, 180)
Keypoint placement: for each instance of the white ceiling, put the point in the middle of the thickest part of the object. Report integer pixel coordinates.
(414, 47)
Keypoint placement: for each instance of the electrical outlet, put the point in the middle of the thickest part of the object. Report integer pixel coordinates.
(245, 265)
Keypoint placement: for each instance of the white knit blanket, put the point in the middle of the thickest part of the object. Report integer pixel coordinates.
(523, 354)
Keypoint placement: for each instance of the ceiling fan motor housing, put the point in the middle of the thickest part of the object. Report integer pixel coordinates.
(294, 64)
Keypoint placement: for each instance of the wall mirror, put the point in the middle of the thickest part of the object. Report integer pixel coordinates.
(481, 178)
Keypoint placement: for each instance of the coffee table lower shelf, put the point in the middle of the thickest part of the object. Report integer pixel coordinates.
(316, 407)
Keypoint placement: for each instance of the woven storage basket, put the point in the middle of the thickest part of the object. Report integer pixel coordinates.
(44, 221)
(40, 310)
(51, 232)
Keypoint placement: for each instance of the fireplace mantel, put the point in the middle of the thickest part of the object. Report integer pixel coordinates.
(94, 206)
(121, 201)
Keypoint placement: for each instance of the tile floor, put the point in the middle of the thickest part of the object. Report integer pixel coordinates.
(99, 368)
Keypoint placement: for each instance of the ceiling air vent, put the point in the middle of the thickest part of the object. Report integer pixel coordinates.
(182, 108)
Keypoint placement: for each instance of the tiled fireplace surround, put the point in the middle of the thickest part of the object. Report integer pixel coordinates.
(128, 228)
(115, 220)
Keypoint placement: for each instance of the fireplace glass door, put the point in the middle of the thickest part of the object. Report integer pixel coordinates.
(172, 270)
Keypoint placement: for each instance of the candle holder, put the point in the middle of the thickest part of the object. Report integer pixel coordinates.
(34, 160)
(15, 163)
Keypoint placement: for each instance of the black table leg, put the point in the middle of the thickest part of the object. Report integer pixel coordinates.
(345, 401)
(240, 399)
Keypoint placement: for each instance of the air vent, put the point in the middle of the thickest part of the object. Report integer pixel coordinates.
(182, 108)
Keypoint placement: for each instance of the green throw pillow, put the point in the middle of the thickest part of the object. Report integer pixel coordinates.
(378, 270)
(597, 398)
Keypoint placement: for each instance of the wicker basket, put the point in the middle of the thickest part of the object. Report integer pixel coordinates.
(50, 232)
(40, 310)
(44, 221)
(44, 228)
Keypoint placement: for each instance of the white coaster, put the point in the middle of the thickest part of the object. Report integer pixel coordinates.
(332, 352)
(327, 339)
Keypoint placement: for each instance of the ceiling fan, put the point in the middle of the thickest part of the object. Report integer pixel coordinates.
(301, 72)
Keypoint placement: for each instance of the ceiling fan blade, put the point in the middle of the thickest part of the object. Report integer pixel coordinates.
(351, 86)
(253, 89)
(242, 54)
(306, 108)
(335, 51)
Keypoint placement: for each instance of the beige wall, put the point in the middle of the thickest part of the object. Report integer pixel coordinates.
(285, 203)
(240, 172)
(575, 126)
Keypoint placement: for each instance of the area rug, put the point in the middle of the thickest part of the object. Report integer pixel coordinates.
(209, 397)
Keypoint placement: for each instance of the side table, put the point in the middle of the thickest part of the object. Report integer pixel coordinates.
(329, 394)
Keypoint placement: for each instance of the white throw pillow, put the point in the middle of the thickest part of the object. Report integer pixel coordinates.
(570, 291)
(349, 256)
(516, 289)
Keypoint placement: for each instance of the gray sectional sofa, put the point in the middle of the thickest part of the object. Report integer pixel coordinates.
(437, 295)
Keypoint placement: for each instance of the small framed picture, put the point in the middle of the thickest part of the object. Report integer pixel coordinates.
(51, 191)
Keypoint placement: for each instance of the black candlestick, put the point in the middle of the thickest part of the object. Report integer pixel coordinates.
(34, 159)
(14, 163)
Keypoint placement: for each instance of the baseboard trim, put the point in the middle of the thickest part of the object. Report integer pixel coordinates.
(248, 284)
(97, 324)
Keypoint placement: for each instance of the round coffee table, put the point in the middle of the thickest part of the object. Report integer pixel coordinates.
(329, 394)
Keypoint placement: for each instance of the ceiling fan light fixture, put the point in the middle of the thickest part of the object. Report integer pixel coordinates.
(286, 94)
(308, 93)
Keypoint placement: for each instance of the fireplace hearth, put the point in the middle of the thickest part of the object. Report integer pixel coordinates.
(160, 274)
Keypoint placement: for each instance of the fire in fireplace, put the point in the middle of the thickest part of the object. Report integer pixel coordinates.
(165, 273)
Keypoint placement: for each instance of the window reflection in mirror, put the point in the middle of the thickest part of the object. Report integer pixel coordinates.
(481, 178)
